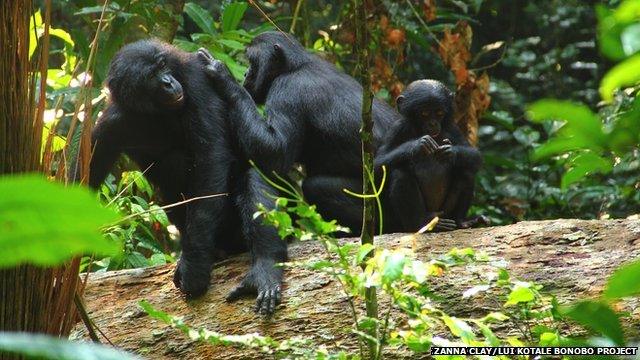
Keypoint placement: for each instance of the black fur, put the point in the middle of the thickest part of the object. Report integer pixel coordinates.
(191, 152)
(313, 117)
(431, 165)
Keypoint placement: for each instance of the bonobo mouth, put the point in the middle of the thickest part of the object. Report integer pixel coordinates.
(176, 102)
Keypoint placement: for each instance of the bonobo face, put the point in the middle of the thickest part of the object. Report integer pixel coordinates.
(167, 90)
(266, 62)
(427, 104)
(144, 77)
(430, 119)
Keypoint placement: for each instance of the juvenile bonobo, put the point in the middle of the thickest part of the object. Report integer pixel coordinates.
(165, 115)
(431, 165)
(312, 118)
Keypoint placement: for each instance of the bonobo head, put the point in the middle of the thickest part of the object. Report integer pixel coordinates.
(427, 104)
(270, 55)
(144, 77)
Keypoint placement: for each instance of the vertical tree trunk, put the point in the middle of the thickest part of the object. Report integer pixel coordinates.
(32, 299)
(366, 137)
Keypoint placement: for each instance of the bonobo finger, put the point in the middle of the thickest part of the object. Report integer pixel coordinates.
(446, 225)
(205, 55)
(262, 302)
(446, 142)
(240, 291)
(273, 296)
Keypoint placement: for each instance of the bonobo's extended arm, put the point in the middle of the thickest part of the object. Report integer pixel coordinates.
(272, 141)
(105, 146)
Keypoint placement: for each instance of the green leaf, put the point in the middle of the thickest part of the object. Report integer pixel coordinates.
(459, 328)
(626, 73)
(581, 121)
(44, 223)
(598, 317)
(520, 294)
(47, 347)
(201, 17)
(232, 14)
(559, 146)
(393, 267)
(630, 38)
(583, 165)
(364, 250)
(624, 281)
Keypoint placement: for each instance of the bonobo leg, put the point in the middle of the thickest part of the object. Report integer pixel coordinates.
(459, 200)
(326, 192)
(408, 209)
(266, 247)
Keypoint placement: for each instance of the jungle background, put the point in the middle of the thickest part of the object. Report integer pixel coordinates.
(547, 90)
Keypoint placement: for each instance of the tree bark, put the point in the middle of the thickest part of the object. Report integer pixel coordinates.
(571, 258)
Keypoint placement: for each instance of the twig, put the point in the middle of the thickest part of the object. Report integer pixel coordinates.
(424, 24)
(165, 207)
(295, 16)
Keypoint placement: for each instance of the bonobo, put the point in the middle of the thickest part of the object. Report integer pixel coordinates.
(312, 118)
(165, 115)
(431, 165)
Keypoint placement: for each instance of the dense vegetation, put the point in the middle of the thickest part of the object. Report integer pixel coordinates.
(546, 89)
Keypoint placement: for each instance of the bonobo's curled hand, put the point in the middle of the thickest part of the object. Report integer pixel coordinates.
(265, 279)
(215, 69)
(427, 146)
(445, 151)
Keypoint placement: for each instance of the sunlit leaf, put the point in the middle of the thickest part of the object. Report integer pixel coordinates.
(520, 294)
(624, 281)
(598, 317)
(626, 73)
(44, 223)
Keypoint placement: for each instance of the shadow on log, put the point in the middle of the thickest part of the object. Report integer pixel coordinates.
(571, 258)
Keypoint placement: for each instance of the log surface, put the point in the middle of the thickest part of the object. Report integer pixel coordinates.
(571, 258)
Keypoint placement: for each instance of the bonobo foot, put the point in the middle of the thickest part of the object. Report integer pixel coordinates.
(476, 220)
(264, 279)
(192, 277)
(445, 225)
(215, 69)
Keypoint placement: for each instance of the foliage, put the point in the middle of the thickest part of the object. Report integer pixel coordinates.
(145, 230)
(44, 223)
(48, 347)
(414, 318)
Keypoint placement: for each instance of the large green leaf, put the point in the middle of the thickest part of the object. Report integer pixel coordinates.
(232, 14)
(624, 281)
(581, 121)
(201, 17)
(44, 223)
(598, 317)
(626, 73)
(583, 165)
(47, 347)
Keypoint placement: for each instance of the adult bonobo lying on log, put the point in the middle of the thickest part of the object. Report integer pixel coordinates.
(312, 117)
(165, 115)
(431, 165)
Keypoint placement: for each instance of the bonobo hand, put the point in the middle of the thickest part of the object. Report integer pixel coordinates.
(427, 145)
(192, 277)
(445, 151)
(265, 279)
(215, 69)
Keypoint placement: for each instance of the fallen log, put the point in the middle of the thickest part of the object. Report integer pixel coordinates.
(571, 258)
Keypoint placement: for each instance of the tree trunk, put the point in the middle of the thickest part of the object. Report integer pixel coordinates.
(571, 258)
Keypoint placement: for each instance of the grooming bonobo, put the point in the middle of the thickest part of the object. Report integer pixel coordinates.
(431, 165)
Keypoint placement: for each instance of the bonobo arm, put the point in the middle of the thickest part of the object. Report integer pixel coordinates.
(401, 146)
(272, 141)
(106, 146)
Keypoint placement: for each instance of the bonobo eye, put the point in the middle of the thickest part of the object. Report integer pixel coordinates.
(440, 114)
(426, 113)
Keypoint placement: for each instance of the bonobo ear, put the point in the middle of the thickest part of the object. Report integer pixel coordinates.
(399, 100)
(278, 50)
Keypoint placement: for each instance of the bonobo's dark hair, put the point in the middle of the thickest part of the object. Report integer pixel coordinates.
(131, 69)
(422, 92)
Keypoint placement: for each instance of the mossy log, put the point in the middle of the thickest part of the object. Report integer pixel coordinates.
(571, 258)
